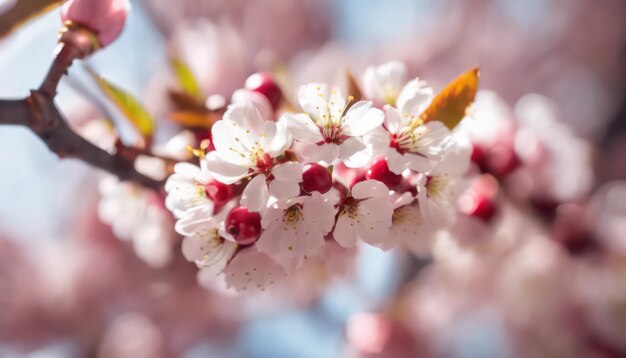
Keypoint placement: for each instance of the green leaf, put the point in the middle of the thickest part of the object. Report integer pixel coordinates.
(186, 79)
(138, 116)
(450, 105)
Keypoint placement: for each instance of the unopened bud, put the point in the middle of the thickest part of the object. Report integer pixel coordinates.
(105, 18)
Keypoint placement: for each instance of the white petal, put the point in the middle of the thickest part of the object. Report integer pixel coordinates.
(414, 98)
(377, 140)
(302, 128)
(183, 192)
(255, 196)
(196, 220)
(269, 241)
(224, 134)
(377, 209)
(332, 196)
(246, 115)
(200, 245)
(327, 153)
(281, 140)
(186, 170)
(312, 99)
(208, 279)
(395, 161)
(384, 82)
(369, 189)
(261, 102)
(320, 212)
(371, 86)
(345, 231)
(273, 214)
(251, 270)
(267, 135)
(354, 153)
(281, 189)
(185, 196)
(417, 163)
(301, 241)
(457, 158)
(361, 118)
(227, 136)
(336, 102)
(372, 232)
(393, 119)
(291, 171)
(153, 246)
(224, 172)
(405, 199)
(219, 258)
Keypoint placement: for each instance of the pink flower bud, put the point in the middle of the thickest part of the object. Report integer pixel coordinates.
(104, 17)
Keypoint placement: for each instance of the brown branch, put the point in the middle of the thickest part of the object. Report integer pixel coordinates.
(50, 126)
(14, 111)
(39, 113)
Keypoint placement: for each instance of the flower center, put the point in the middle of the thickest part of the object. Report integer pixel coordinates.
(350, 208)
(409, 140)
(332, 133)
(393, 143)
(292, 215)
(331, 120)
(439, 187)
(390, 95)
(400, 215)
(212, 241)
(261, 160)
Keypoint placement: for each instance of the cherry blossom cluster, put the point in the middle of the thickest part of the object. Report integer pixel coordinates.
(269, 192)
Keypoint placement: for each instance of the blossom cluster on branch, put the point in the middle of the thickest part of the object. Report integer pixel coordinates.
(275, 188)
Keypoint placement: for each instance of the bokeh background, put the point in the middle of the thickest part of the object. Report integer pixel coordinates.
(69, 288)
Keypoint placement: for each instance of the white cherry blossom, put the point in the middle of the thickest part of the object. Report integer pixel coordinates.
(409, 143)
(439, 189)
(153, 243)
(245, 144)
(329, 130)
(294, 229)
(186, 189)
(405, 140)
(388, 84)
(258, 195)
(203, 242)
(408, 228)
(385, 82)
(261, 102)
(366, 215)
(136, 215)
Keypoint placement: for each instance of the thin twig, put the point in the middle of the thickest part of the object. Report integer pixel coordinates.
(39, 113)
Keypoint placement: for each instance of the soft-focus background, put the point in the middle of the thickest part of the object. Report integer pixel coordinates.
(69, 288)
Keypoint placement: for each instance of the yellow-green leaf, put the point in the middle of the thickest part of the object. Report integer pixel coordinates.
(450, 105)
(186, 79)
(137, 115)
